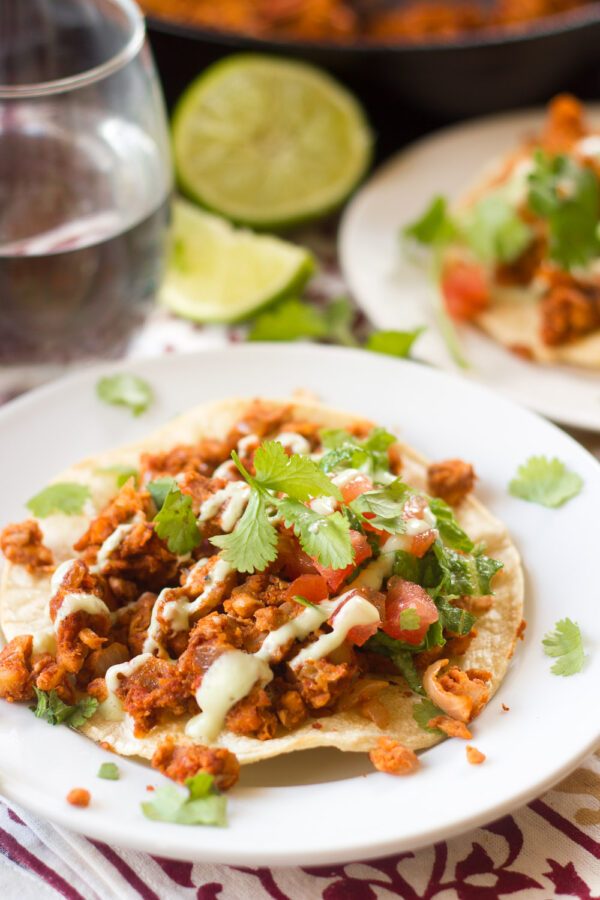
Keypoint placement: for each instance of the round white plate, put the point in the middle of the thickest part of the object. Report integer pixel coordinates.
(316, 806)
(397, 294)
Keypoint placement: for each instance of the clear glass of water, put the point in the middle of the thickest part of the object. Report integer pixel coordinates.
(85, 181)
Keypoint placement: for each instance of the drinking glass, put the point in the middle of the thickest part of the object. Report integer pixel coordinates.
(85, 181)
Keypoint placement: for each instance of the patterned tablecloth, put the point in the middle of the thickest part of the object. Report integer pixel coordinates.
(550, 848)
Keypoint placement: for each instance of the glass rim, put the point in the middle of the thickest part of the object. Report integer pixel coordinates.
(128, 52)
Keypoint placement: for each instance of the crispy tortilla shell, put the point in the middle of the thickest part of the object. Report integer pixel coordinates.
(24, 597)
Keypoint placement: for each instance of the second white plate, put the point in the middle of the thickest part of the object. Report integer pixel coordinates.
(396, 294)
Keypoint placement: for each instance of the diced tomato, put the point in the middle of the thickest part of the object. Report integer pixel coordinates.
(334, 577)
(295, 561)
(464, 289)
(414, 507)
(420, 543)
(402, 595)
(359, 634)
(353, 489)
(311, 587)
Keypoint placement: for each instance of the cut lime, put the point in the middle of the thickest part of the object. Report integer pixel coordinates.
(218, 273)
(268, 142)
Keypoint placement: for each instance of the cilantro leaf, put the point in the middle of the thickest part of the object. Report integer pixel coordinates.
(385, 506)
(110, 771)
(494, 231)
(486, 568)
(176, 522)
(159, 488)
(464, 574)
(253, 544)
(296, 475)
(51, 708)
(567, 195)
(435, 225)
(409, 619)
(393, 343)
(423, 712)
(453, 618)
(125, 389)
(545, 481)
(66, 497)
(289, 320)
(402, 658)
(347, 451)
(203, 805)
(123, 473)
(450, 531)
(339, 317)
(326, 537)
(565, 644)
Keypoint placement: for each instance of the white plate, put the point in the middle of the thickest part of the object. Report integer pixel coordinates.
(321, 809)
(397, 294)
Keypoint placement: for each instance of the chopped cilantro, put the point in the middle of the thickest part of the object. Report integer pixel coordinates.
(347, 451)
(410, 620)
(202, 806)
(125, 389)
(435, 225)
(494, 231)
(423, 712)
(176, 522)
(545, 481)
(450, 531)
(565, 644)
(453, 618)
(400, 655)
(159, 488)
(253, 544)
(384, 506)
(65, 497)
(110, 771)
(123, 473)
(51, 708)
(567, 195)
(339, 317)
(393, 343)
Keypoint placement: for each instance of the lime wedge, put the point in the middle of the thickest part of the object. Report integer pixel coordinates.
(218, 273)
(269, 142)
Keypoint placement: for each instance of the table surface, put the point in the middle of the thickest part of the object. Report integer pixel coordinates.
(551, 847)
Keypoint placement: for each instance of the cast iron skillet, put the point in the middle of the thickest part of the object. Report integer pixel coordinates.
(479, 73)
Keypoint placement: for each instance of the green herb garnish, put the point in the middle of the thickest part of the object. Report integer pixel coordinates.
(545, 481)
(567, 195)
(494, 231)
(289, 320)
(253, 544)
(435, 226)
(565, 644)
(304, 602)
(51, 708)
(159, 488)
(123, 473)
(204, 805)
(393, 343)
(125, 389)
(410, 620)
(66, 497)
(423, 712)
(176, 522)
(110, 771)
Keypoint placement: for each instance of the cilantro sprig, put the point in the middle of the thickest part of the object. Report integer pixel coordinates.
(122, 472)
(383, 507)
(345, 450)
(51, 708)
(281, 486)
(423, 712)
(203, 805)
(545, 481)
(566, 646)
(66, 497)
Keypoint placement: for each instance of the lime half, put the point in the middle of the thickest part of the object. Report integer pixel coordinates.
(218, 273)
(269, 142)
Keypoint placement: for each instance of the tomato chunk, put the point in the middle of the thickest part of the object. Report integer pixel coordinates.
(464, 290)
(311, 587)
(361, 550)
(353, 489)
(403, 595)
(420, 543)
